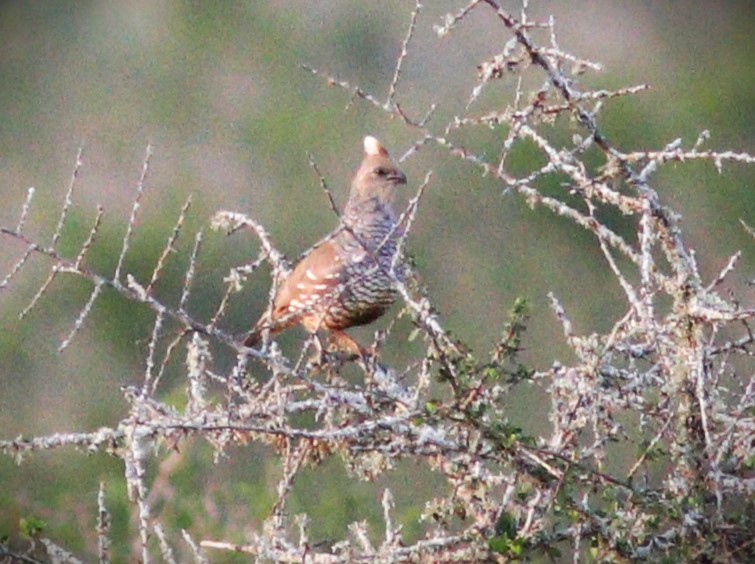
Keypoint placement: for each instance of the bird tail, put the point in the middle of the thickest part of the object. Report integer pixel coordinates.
(255, 336)
(265, 324)
(253, 339)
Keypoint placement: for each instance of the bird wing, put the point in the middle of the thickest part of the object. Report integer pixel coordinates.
(318, 275)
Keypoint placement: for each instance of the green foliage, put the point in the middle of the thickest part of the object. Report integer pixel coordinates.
(31, 527)
(506, 542)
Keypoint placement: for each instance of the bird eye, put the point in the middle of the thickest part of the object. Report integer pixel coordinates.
(380, 171)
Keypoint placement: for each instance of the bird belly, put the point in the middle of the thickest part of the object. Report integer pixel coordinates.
(352, 308)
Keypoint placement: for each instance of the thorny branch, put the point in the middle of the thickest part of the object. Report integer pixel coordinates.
(673, 371)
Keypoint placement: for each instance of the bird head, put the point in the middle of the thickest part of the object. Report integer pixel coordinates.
(377, 178)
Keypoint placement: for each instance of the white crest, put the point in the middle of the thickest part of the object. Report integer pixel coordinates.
(373, 147)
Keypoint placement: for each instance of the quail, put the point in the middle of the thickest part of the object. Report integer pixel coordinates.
(346, 280)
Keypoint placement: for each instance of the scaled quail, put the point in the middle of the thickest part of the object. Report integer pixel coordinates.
(345, 281)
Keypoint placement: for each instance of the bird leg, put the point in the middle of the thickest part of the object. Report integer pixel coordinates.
(365, 356)
(340, 341)
(319, 356)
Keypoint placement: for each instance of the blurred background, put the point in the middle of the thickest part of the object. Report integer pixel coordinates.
(218, 90)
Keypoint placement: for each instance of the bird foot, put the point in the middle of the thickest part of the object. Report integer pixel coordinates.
(327, 356)
(352, 351)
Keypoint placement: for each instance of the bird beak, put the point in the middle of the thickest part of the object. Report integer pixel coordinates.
(398, 177)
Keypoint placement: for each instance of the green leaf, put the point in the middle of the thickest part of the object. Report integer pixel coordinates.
(31, 527)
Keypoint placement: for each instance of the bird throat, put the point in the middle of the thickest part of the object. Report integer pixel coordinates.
(371, 221)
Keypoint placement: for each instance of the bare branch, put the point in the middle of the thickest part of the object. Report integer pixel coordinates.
(140, 188)
(403, 54)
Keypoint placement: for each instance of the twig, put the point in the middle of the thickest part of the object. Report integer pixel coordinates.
(140, 188)
(403, 54)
